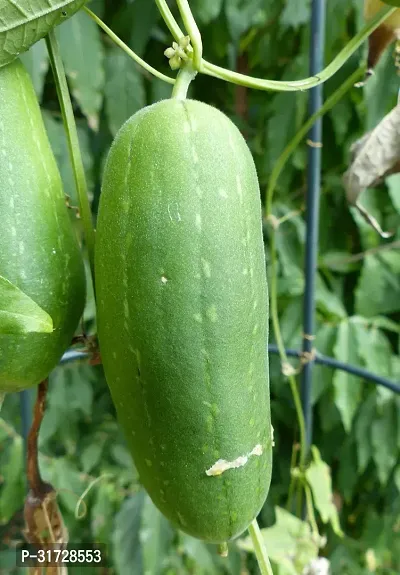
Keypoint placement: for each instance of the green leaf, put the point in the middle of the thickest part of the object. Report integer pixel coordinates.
(83, 55)
(91, 456)
(378, 288)
(36, 61)
(348, 388)
(124, 90)
(206, 10)
(156, 536)
(19, 314)
(384, 441)
(127, 550)
(289, 542)
(12, 481)
(322, 377)
(375, 350)
(199, 553)
(103, 511)
(363, 431)
(22, 26)
(328, 302)
(296, 13)
(318, 476)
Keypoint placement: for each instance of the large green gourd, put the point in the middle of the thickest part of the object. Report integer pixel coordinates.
(39, 252)
(183, 314)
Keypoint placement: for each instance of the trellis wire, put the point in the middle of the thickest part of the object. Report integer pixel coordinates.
(317, 42)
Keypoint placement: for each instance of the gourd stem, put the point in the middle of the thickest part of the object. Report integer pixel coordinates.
(126, 49)
(259, 548)
(274, 85)
(73, 144)
(182, 82)
(193, 31)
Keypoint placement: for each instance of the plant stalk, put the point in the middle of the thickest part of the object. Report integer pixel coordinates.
(128, 51)
(193, 31)
(259, 548)
(73, 144)
(185, 76)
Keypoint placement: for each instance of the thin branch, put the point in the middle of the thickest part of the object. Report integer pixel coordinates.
(127, 50)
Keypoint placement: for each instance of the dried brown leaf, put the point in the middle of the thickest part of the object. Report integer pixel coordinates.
(374, 157)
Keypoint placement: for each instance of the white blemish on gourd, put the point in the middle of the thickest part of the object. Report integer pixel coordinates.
(173, 212)
(22, 274)
(255, 304)
(223, 193)
(212, 314)
(126, 308)
(21, 248)
(197, 317)
(198, 222)
(4, 153)
(164, 280)
(223, 465)
(245, 271)
(186, 127)
(239, 188)
(206, 267)
(255, 329)
(10, 166)
(199, 191)
(14, 231)
(10, 181)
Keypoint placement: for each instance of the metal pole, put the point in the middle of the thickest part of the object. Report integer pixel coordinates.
(317, 42)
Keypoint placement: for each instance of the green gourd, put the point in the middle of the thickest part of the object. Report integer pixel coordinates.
(39, 251)
(183, 314)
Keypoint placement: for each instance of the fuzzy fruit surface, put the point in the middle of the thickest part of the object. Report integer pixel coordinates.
(39, 251)
(183, 314)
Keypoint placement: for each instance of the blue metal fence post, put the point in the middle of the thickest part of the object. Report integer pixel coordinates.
(317, 41)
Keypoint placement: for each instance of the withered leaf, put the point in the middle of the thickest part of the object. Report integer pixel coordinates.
(374, 157)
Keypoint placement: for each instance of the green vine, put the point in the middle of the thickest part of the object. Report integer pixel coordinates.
(284, 86)
(259, 548)
(73, 144)
(126, 49)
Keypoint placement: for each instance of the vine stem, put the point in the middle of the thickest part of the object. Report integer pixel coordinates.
(73, 144)
(259, 548)
(126, 48)
(185, 76)
(274, 85)
(302, 132)
(193, 31)
(2, 398)
(281, 348)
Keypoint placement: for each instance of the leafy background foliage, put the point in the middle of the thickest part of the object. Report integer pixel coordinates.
(357, 425)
